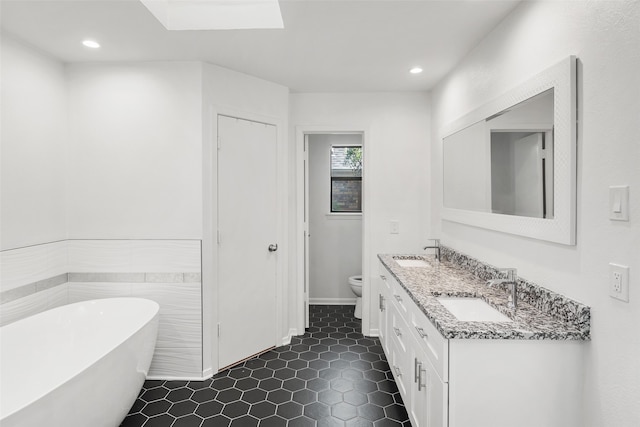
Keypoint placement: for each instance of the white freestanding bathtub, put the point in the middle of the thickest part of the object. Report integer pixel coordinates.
(79, 365)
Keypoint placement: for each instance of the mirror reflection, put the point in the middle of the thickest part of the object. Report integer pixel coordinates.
(504, 164)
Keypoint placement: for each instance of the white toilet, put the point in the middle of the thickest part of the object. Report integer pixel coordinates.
(356, 286)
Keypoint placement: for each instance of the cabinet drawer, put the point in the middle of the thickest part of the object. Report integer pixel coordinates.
(435, 346)
(399, 297)
(399, 329)
(385, 278)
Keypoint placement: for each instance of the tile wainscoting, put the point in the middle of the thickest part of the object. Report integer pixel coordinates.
(41, 277)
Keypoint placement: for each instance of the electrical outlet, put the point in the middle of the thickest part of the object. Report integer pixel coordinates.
(619, 282)
(616, 282)
(394, 227)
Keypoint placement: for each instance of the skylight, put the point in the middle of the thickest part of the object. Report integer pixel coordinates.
(216, 14)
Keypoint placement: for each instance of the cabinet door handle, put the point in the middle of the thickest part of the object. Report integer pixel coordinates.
(421, 332)
(397, 331)
(398, 371)
(381, 302)
(383, 277)
(398, 297)
(417, 366)
(421, 385)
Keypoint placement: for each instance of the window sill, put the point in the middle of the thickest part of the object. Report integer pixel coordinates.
(344, 215)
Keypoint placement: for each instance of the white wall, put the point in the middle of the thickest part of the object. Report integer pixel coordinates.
(124, 151)
(335, 245)
(135, 154)
(143, 158)
(605, 36)
(397, 161)
(34, 146)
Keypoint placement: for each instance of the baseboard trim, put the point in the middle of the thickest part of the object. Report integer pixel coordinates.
(287, 339)
(207, 373)
(332, 301)
(179, 378)
(374, 333)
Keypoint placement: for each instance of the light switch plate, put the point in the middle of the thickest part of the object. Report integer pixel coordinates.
(394, 227)
(619, 203)
(619, 282)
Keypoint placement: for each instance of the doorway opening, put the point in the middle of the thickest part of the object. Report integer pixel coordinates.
(333, 220)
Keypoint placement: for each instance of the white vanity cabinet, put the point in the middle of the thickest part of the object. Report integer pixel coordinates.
(412, 348)
(476, 382)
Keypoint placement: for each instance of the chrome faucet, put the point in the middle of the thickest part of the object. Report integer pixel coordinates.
(512, 282)
(436, 246)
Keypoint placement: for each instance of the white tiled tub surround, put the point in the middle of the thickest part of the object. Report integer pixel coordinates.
(41, 277)
(131, 256)
(32, 279)
(32, 264)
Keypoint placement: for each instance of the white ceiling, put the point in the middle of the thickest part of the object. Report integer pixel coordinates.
(326, 46)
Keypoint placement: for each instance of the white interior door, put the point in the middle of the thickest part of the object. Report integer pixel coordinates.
(247, 238)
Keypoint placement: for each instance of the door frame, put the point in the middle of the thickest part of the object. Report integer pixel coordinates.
(210, 294)
(301, 226)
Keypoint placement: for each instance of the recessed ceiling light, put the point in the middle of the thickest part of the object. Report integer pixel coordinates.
(91, 43)
(415, 70)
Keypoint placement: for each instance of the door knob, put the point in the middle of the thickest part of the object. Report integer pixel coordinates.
(273, 248)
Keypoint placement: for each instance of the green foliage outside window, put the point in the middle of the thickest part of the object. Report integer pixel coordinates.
(353, 158)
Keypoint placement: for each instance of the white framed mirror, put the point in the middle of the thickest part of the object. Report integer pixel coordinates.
(510, 165)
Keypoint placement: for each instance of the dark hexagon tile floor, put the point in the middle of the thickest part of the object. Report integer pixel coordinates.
(330, 376)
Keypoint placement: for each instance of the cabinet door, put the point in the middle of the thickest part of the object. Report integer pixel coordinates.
(383, 321)
(383, 315)
(428, 406)
(398, 335)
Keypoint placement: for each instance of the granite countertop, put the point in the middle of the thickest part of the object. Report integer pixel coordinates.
(444, 278)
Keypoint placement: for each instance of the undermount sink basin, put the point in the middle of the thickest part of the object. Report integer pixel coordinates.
(472, 310)
(412, 263)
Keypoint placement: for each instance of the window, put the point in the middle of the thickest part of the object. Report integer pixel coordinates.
(346, 178)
